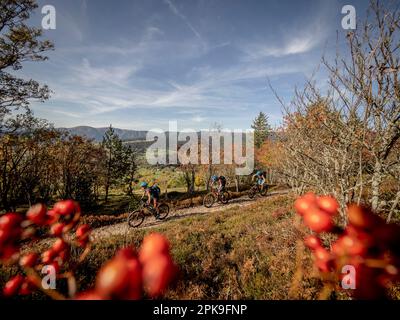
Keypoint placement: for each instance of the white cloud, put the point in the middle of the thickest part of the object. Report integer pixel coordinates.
(292, 46)
(152, 32)
(293, 40)
(89, 75)
(198, 119)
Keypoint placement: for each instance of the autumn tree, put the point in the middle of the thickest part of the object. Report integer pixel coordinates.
(19, 43)
(80, 164)
(342, 140)
(23, 159)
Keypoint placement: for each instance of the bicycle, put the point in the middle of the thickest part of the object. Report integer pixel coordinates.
(256, 189)
(214, 196)
(136, 218)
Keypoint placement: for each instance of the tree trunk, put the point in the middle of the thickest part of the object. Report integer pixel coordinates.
(375, 184)
(109, 166)
(209, 177)
(193, 177)
(237, 183)
(393, 208)
(106, 196)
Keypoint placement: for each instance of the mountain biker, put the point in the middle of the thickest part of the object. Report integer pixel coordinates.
(221, 184)
(152, 193)
(218, 183)
(213, 182)
(261, 177)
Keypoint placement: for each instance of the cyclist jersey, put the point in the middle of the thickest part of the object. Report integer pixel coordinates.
(154, 191)
(260, 175)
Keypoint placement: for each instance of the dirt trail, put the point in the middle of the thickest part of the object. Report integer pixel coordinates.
(124, 229)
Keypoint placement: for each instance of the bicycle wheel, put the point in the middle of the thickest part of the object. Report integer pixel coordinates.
(264, 191)
(135, 218)
(224, 197)
(209, 200)
(163, 211)
(252, 193)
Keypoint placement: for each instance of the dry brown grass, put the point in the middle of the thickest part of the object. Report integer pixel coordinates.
(240, 253)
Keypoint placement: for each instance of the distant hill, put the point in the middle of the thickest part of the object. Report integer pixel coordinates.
(124, 134)
(98, 133)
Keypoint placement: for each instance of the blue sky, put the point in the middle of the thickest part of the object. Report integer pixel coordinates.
(139, 64)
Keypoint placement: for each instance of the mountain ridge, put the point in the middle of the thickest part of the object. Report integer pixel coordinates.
(98, 133)
(124, 134)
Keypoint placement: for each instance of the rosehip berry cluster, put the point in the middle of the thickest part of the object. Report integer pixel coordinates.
(16, 228)
(367, 243)
(128, 275)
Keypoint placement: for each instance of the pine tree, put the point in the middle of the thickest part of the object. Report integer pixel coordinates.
(117, 161)
(261, 129)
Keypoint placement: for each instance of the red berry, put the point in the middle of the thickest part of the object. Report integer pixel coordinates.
(59, 245)
(37, 214)
(52, 217)
(353, 246)
(337, 248)
(9, 252)
(318, 221)
(10, 221)
(135, 280)
(26, 289)
(305, 203)
(29, 260)
(82, 231)
(112, 279)
(322, 259)
(57, 229)
(157, 274)
(56, 265)
(153, 244)
(126, 253)
(12, 286)
(64, 207)
(83, 242)
(312, 242)
(89, 295)
(328, 204)
(48, 256)
(4, 236)
(362, 218)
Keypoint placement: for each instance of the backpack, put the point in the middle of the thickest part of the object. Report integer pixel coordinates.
(156, 189)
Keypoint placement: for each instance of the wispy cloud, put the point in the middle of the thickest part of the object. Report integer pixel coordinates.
(106, 89)
(295, 45)
(90, 76)
(176, 12)
(294, 40)
(173, 62)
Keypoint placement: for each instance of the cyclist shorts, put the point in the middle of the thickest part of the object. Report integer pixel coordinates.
(155, 195)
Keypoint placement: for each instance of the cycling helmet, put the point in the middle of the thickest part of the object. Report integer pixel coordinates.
(214, 178)
(143, 184)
